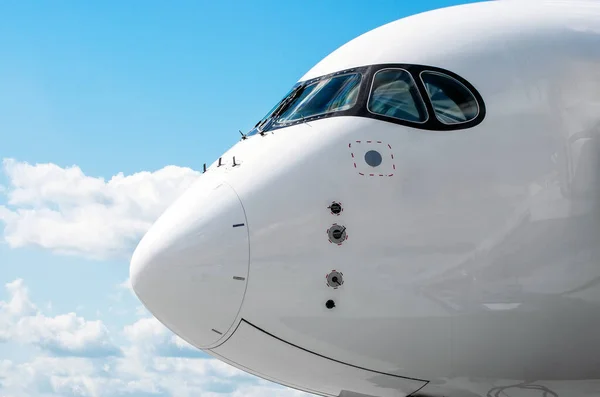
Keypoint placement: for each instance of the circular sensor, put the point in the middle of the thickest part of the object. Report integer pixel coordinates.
(373, 158)
(335, 279)
(335, 208)
(337, 234)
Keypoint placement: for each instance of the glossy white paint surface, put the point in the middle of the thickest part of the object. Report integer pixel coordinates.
(311, 372)
(472, 262)
(183, 269)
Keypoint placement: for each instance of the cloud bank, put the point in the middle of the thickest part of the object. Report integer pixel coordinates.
(66, 211)
(66, 335)
(78, 357)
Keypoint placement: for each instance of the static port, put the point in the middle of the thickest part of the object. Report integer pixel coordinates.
(337, 234)
(335, 208)
(330, 304)
(335, 279)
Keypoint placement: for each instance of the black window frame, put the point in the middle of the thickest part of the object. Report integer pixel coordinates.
(360, 107)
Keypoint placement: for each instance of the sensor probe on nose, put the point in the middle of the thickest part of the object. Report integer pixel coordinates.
(335, 279)
(337, 234)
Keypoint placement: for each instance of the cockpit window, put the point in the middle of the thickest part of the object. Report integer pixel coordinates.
(402, 94)
(270, 112)
(328, 95)
(395, 94)
(452, 102)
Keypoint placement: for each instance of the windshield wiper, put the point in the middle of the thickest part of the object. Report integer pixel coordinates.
(282, 107)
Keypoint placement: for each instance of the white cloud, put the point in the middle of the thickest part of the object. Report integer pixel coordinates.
(126, 285)
(66, 211)
(67, 334)
(19, 303)
(148, 336)
(166, 376)
(154, 362)
(141, 311)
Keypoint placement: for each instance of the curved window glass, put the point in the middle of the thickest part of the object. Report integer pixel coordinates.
(452, 102)
(403, 94)
(395, 94)
(270, 112)
(328, 95)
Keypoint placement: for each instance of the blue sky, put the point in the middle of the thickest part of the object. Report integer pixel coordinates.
(107, 111)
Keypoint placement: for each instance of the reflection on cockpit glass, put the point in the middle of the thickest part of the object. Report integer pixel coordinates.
(391, 93)
(329, 95)
(270, 112)
(452, 102)
(394, 94)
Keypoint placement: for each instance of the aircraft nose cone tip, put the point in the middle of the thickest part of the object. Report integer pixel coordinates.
(140, 263)
(191, 267)
(135, 268)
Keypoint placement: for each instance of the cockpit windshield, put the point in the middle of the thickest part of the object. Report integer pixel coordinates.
(403, 94)
(328, 95)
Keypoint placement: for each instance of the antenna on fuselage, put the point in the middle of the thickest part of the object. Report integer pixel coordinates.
(243, 135)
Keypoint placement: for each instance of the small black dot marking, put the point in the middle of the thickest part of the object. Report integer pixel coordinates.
(238, 225)
(239, 278)
(214, 330)
(373, 158)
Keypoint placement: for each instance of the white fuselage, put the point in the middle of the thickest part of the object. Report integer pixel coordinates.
(470, 256)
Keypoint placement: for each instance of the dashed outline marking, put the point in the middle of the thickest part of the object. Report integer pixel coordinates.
(370, 141)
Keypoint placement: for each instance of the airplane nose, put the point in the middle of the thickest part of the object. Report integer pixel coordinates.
(190, 269)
